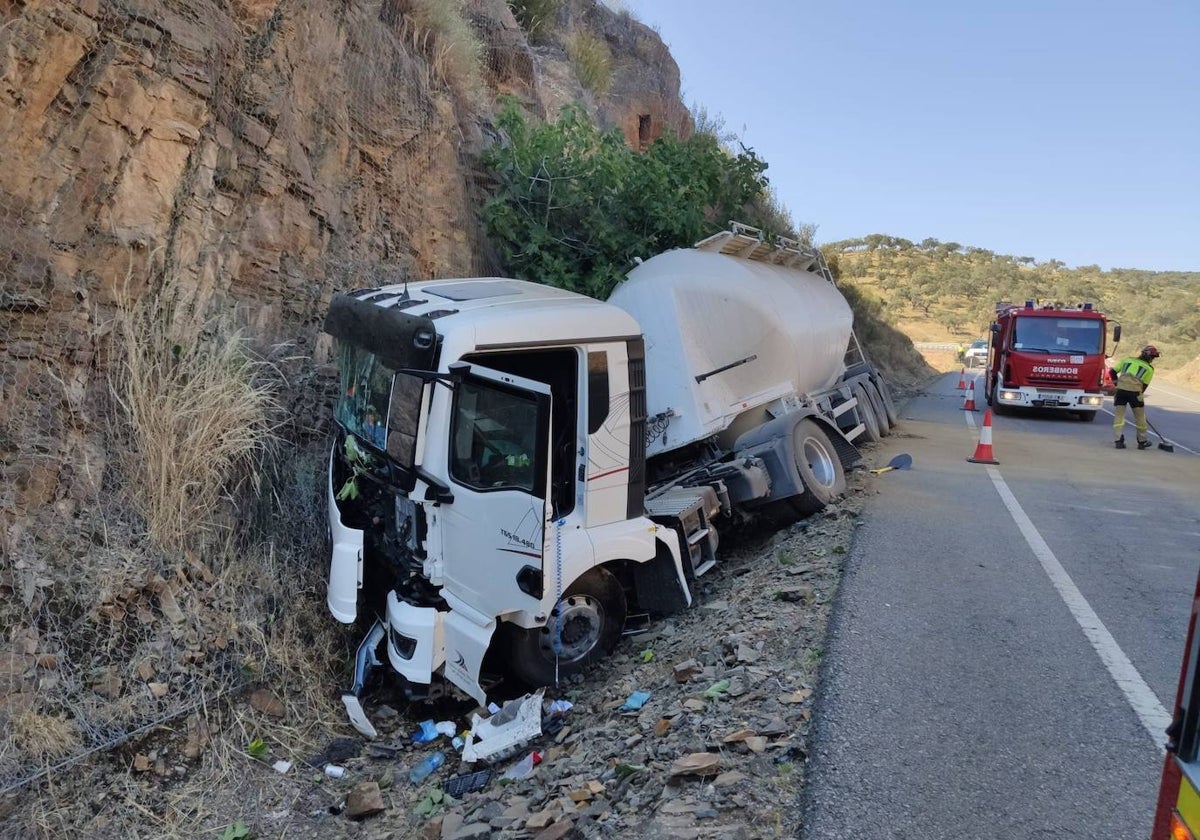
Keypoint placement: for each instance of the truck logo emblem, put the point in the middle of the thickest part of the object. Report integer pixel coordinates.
(460, 661)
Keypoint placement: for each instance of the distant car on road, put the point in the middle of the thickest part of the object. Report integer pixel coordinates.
(977, 352)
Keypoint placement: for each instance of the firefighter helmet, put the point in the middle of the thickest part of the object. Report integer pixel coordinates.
(1150, 352)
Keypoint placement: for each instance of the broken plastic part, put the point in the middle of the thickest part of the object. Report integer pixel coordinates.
(467, 783)
(365, 661)
(519, 721)
(524, 767)
(358, 715)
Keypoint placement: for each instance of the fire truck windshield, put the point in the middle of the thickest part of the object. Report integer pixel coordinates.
(1078, 336)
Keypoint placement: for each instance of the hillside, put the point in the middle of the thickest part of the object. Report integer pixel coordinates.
(934, 291)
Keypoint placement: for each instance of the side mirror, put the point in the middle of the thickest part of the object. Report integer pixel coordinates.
(1116, 334)
(995, 327)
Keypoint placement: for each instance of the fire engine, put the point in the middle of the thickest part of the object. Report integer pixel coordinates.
(1177, 815)
(1047, 356)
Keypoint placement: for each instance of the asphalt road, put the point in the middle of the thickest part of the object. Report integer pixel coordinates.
(1007, 639)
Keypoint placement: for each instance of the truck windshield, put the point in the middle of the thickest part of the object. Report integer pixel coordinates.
(1080, 336)
(364, 406)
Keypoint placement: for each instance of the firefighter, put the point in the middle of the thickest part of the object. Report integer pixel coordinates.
(1133, 375)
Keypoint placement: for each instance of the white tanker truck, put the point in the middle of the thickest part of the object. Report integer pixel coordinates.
(518, 469)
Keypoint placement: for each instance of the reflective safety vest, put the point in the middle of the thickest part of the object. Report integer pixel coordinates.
(1134, 374)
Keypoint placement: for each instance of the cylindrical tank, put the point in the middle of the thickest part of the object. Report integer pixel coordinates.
(776, 331)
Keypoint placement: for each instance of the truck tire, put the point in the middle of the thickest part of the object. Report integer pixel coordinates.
(889, 406)
(819, 467)
(998, 408)
(866, 414)
(885, 425)
(593, 616)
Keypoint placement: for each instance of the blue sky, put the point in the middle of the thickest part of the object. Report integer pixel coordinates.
(1056, 129)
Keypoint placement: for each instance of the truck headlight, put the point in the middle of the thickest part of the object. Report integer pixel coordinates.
(1091, 400)
(1010, 395)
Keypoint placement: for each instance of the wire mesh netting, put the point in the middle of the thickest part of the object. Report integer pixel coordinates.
(229, 166)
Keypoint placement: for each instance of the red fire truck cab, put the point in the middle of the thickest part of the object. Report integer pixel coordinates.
(1047, 356)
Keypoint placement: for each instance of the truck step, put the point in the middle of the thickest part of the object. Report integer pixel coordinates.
(697, 536)
(637, 624)
(704, 567)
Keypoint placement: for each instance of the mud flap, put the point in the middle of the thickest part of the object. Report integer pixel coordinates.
(466, 644)
(365, 661)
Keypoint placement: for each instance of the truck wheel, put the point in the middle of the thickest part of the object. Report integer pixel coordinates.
(592, 615)
(998, 408)
(885, 426)
(866, 415)
(889, 407)
(819, 466)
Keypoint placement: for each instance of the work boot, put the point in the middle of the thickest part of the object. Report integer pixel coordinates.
(1120, 442)
(1143, 444)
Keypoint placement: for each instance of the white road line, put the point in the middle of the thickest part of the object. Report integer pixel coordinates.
(1174, 393)
(1144, 702)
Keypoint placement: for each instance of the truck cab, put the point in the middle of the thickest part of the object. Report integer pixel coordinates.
(1047, 356)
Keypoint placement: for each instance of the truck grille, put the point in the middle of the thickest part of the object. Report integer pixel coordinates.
(1059, 381)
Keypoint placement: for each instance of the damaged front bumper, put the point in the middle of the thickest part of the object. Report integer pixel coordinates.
(417, 640)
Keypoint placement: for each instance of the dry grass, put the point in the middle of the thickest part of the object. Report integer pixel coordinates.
(536, 16)
(44, 736)
(592, 61)
(197, 419)
(439, 29)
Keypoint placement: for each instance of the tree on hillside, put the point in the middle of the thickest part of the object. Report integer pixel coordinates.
(574, 205)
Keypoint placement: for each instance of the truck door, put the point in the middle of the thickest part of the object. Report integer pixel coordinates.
(494, 532)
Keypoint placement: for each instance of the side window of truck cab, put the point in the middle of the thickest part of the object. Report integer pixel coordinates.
(494, 443)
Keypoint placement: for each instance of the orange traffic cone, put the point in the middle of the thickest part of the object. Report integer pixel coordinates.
(969, 400)
(962, 380)
(983, 452)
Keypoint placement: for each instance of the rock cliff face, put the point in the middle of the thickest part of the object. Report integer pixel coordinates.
(256, 156)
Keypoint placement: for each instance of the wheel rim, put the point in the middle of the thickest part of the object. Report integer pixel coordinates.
(581, 618)
(819, 461)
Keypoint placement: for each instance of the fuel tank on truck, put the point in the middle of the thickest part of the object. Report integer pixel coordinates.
(725, 335)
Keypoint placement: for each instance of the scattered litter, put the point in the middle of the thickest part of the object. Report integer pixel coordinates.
(559, 707)
(636, 700)
(523, 768)
(282, 766)
(335, 771)
(468, 783)
(337, 751)
(717, 689)
(421, 772)
(446, 727)
(518, 721)
(426, 733)
(493, 708)
(796, 696)
(647, 655)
